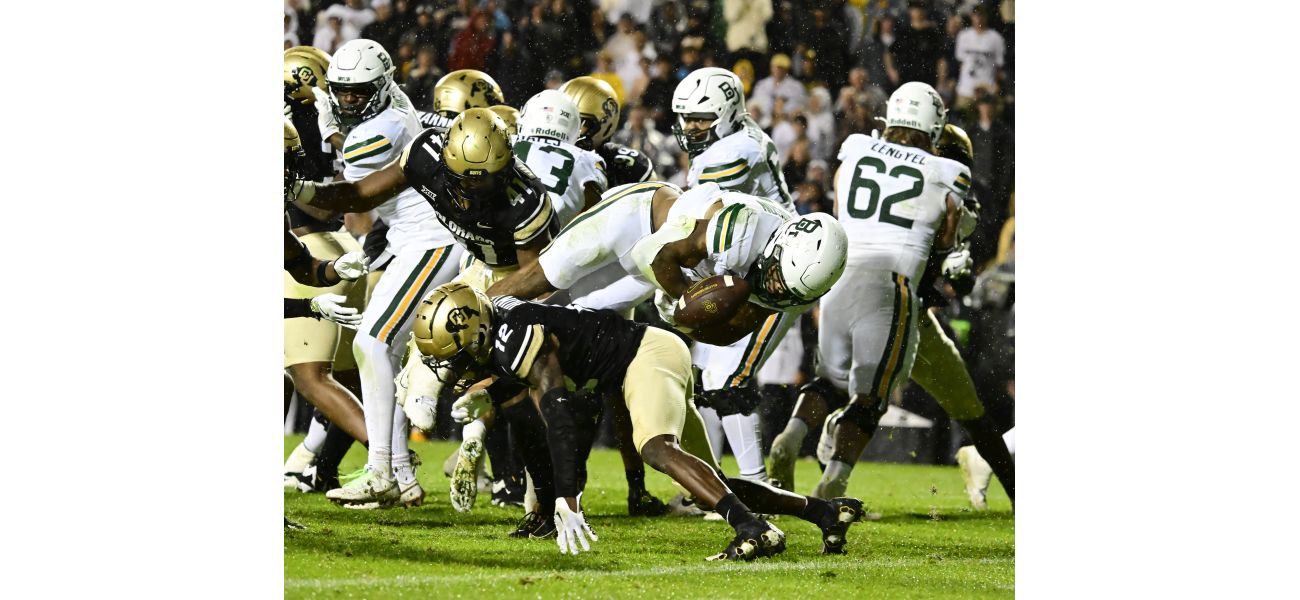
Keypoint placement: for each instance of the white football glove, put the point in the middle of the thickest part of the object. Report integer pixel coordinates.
(351, 266)
(571, 528)
(471, 406)
(325, 114)
(330, 306)
(666, 307)
(958, 263)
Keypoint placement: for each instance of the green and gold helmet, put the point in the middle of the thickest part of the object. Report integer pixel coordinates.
(477, 156)
(510, 115)
(304, 68)
(459, 91)
(597, 107)
(954, 144)
(453, 324)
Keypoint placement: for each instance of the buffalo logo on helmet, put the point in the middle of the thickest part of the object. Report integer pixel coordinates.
(458, 319)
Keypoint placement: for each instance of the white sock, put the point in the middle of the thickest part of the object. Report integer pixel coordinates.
(793, 434)
(835, 480)
(530, 495)
(315, 437)
(744, 435)
(713, 425)
(379, 399)
(1010, 438)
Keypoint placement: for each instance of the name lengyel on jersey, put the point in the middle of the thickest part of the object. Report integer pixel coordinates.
(745, 161)
(890, 199)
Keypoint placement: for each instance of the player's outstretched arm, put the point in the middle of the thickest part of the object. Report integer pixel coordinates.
(528, 282)
(352, 196)
(684, 253)
(557, 408)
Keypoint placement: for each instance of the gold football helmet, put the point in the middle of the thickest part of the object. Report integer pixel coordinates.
(304, 68)
(477, 156)
(294, 156)
(597, 107)
(453, 326)
(459, 91)
(510, 115)
(954, 144)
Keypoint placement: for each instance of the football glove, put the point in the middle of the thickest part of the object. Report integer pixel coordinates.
(666, 307)
(325, 114)
(351, 266)
(571, 528)
(958, 263)
(330, 306)
(471, 406)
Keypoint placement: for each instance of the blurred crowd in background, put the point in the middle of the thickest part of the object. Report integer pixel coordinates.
(815, 72)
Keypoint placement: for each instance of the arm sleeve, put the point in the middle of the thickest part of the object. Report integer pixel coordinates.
(298, 307)
(531, 201)
(518, 347)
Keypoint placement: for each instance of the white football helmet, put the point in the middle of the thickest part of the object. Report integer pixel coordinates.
(800, 262)
(362, 66)
(916, 105)
(713, 92)
(550, 114)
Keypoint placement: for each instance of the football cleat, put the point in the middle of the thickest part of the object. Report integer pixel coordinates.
(976, 474)
(368, 487)
(301, 482)
(295, 465)
(641, 503)
(681, 506)
(834, 528)
(292, 525)
(534, 526)
(752, 541)
(464, 478)
(506, 492)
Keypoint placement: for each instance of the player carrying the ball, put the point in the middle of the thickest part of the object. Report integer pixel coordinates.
(528, 345)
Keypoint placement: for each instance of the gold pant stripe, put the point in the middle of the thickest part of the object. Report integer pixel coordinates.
(430, 267)
(899, 337)
(756, 347)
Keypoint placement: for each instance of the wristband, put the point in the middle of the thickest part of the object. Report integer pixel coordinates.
(321, 275)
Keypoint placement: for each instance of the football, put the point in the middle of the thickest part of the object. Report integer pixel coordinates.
(711, 301)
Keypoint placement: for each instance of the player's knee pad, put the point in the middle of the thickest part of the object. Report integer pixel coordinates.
(864, 416)
(824, 389)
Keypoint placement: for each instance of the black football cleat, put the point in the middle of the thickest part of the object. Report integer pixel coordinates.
(508, 492)
(292, 525)
(835, 528)
(752, 541)
(534, 526)
(644, 504)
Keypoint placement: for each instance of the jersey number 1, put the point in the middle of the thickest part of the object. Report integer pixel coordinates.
(861, 181)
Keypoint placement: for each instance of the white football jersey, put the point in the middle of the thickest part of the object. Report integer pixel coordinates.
(891, 199)
(745, 161)
(565, 170)
(737, 232)
(373, 145)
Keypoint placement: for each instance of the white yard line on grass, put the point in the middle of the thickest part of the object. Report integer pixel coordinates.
(704, 567)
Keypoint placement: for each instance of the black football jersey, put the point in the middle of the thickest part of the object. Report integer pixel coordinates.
(494, 227)
(435, 121)
(595, 345)
(624, 165)
(318, 166)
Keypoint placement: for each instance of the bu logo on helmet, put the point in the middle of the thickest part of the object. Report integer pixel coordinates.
(806, 226)
(727, 90)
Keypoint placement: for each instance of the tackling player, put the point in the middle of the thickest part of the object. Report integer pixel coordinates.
(527, 345)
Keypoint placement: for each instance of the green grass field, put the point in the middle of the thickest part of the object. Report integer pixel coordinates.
(928, 544)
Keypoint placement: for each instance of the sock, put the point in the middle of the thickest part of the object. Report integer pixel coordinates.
(734, 511)
(635, 481)
(401, 436)
(835, 479)
(378, 398)
(816, 511)
(993, 449)
(745, 436)
(1010, 438)
(315, 435)
(794, 433)
(497, 444)
(336, 445)
(713, 425)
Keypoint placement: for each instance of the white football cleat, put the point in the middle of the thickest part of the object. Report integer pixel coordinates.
(295, 467)
(464, 477)
(422, 412)
(976, 474)
(679, 507)
(368, 487)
